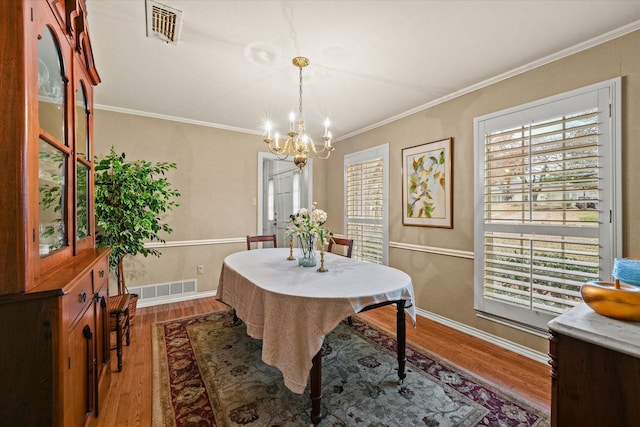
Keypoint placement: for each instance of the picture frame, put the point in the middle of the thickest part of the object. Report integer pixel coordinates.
(427, 184)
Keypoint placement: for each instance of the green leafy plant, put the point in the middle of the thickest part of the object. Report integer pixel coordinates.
(130, 199)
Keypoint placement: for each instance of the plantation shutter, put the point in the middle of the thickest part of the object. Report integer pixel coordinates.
(365, 206)
(546, 179)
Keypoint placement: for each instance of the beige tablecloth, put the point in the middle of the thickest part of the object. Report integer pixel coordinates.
(291, 308)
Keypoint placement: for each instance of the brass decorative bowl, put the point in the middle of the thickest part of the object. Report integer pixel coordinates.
(613, 299)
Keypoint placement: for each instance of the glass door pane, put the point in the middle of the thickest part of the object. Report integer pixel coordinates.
(52, 187)
(82, 200)
(51, 88)
(82, 116)
(83, 164)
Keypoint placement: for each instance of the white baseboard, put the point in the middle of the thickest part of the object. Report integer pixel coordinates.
(141, 303)
(485, 336)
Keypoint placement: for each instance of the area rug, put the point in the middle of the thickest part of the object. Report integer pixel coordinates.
(208, 372)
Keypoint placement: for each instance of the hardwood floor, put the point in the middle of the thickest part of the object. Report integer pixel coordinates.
(129, 400)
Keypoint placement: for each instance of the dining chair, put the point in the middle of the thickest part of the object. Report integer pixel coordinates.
(263, 238)
(345, 250)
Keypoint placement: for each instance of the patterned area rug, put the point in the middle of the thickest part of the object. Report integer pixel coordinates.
(208, 372)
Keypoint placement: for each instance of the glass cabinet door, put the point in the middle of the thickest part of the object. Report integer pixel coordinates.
(51, 88)
(83, 165)
(53, 201)
(53, 159)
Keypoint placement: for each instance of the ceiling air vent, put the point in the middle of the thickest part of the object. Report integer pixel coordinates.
(163, 22)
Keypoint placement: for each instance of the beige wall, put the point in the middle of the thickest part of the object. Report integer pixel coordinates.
(217, 175)
(444, 284)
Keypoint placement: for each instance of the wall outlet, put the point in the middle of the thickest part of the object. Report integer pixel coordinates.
(200, 269)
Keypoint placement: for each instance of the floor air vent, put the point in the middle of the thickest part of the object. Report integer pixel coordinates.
(163, 22)
(164, 292)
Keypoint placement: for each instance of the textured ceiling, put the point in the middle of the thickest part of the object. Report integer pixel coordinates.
(370, 60)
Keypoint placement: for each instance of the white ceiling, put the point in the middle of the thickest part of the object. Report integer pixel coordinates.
(370, 60)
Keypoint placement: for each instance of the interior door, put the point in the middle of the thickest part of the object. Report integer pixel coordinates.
(282, 198)
(283, 204)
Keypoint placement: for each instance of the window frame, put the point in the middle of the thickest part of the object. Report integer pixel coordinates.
(378, 152)
(608, 95)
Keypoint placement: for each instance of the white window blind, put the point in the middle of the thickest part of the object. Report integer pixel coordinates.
(546, 186)
(366, 208)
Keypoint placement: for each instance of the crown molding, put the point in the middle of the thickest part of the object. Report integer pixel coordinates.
(174, 119)
(611, 35)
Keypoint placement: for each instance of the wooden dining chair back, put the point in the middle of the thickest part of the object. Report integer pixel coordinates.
(346, 246)
(261, 239)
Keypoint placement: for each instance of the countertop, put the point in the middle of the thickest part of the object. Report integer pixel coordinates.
(583, 323)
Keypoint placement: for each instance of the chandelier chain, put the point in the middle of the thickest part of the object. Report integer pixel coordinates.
(301, 94)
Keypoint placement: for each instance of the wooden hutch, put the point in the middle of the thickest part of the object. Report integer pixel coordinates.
(54, 320)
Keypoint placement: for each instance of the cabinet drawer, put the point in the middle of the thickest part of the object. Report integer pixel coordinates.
(79, 297)
(101, 272)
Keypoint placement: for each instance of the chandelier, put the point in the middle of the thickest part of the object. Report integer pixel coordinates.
(298, 143)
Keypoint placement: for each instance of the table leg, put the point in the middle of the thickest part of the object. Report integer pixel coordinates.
(316, 388)
(401, 336)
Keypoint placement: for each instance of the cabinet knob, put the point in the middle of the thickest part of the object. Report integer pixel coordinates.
(83, 297)
(101, 273)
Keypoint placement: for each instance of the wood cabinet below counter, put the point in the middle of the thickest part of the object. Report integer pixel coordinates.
(595, 370)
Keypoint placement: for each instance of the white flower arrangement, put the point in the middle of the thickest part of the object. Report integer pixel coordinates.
(308, 225)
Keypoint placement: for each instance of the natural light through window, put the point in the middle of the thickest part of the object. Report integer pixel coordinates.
(366, 207)
(547, 173)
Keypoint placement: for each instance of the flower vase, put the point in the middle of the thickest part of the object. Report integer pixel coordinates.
(307, 249)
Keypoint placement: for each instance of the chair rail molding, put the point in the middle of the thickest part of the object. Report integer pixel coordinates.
(432, 250)
(202, 242)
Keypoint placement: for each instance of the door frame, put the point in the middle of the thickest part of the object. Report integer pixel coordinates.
(307, 174)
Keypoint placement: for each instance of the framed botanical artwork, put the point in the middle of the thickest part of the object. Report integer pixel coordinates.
(427, 184)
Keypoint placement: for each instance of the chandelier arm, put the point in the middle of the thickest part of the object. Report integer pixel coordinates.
(283, 151)
(281, 155)
(320, 156)
(324, 148)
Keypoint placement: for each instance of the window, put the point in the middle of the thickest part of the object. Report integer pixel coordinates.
(548, 183)
(366, 177)
(296, 191)
(270, 200)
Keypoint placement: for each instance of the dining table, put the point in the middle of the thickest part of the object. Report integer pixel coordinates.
(292, 308)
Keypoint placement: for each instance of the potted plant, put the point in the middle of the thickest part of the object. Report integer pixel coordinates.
(130, 199)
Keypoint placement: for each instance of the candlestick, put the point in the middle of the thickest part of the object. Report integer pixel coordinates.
(291, 257)
(322, 269)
